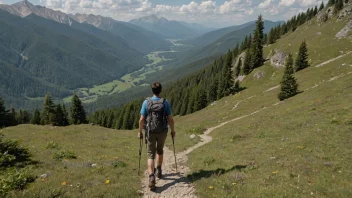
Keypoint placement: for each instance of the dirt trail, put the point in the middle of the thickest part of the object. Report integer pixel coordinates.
(178, 185)
(333, 59)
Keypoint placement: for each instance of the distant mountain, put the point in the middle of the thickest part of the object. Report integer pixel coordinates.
(138, 38)
(198, 28)
(214, 35)
(39, 56)
(167, 28)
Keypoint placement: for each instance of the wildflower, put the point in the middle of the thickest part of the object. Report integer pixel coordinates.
(233, 183)
(64, 183)
(300, 147)
(275, 172)
(107, 181)
(211, 187)
(43, 180)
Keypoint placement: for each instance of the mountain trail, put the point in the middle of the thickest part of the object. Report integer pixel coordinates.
(333, 59)
(177, 184)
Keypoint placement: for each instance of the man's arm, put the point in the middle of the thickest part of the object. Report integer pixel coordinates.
(172, 125)
(141, 125)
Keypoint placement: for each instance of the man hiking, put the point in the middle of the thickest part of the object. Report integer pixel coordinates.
(156, 112)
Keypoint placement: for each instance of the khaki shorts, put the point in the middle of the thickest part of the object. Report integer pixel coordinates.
(156, 143)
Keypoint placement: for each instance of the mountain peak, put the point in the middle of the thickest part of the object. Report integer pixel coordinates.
(23, 3)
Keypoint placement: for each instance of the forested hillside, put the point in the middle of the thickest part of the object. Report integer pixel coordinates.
(198, 90)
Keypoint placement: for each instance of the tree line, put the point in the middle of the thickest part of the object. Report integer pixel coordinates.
(52, 114)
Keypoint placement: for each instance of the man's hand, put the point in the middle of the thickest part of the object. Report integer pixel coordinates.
(140, 135)
(173, 133)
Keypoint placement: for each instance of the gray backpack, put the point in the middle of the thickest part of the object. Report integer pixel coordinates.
(156, 120)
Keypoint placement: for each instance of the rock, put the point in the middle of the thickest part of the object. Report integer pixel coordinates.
(140, 193)
(278, 59)
(259, 75)
(242, 56)
(319, 33)
(346, 11)
(94, 165)
(345, 31)
(44, 176)
(192, 136)
(240, 78)
(325, 14)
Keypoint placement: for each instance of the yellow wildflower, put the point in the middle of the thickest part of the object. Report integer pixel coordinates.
(275, 172)
(234, 183)
(300, 147)
(107, 181)
(64, 183)
(211, 187)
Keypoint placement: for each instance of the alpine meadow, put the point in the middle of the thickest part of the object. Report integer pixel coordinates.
(233, 98)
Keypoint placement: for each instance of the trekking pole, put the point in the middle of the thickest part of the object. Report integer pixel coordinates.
(140, 153)
(173, 143)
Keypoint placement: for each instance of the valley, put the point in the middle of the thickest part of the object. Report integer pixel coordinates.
(156, 63)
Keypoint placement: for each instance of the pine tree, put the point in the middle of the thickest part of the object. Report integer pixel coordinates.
(257, 44)
(59, 116)
(271, 37)
(289, 86)
(302, 58)
(247, 63)
(184, 105)
(201, 102)
(315, 10)
(19, 117)
(321, 6)
(36, 117)
(237, 86)
(48, 111)
(13, 117)
(65, 119)
(331, 2)
(227, 74)
(4, 114)
(238, 67)
(78, 115)
(339, 5)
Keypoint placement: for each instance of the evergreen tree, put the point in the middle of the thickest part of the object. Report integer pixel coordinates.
(78, 115)
(289, 86)
(212, 92)
(4, 114)
(237, 86)
(339, 5)
(227, 74)
(13, 117)
(315, 10)
(331, 2)
(257, 44)
(238, 67)
(19, 117)
(247, 63)
(59, 116)
(249, 42)
(302, 58)
(36, 117)
(184, 105)
(271, 37)
(321, 6)
(65, 119)
(48, 111)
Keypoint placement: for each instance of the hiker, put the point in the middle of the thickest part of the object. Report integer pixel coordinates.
(156, 112)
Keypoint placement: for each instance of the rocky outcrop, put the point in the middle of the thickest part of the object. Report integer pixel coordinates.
(259, 75)
(325, 14)
(278, 59)
(345, 31)
(242, 56)
(346, 11)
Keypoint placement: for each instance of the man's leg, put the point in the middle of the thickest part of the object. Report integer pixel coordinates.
(150, 166)
(151, 157)
(161, 138)
(159, 160)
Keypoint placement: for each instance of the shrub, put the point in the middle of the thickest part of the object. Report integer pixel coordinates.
(14, 179)
(52, 145)
(64, 155)
(120, 164)
(12, 154)
(196, 130)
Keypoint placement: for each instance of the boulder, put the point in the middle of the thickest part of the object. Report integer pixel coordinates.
(345, 31)
(278, 59)
(240, 78)
(259, 75)
(192, 136)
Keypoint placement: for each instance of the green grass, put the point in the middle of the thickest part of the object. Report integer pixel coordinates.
(115, 154)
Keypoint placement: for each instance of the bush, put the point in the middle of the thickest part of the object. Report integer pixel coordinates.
(120, 164)
(64, 155)
(14, 179)
(197, 130)
(52, 145)
(12, 154)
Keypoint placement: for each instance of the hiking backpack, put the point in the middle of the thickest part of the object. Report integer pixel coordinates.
(156, 119)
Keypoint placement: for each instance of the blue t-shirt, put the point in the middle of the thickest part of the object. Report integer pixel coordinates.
(144, 110)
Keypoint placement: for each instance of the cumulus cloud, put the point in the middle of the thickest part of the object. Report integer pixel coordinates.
(236, 6)
(265, 4)
(287, 3)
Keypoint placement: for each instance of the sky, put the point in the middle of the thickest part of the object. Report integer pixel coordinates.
(211, 13)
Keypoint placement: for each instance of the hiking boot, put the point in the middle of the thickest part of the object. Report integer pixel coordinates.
(152, 182)
(158, 172)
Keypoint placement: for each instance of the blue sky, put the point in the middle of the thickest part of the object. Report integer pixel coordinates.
(212, 13)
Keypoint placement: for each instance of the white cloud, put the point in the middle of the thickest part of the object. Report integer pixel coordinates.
(265, 4)
(236, 6)
(287, 3)
(306, 3)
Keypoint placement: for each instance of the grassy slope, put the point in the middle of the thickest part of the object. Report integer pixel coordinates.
(299, 148)
(91, 145)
